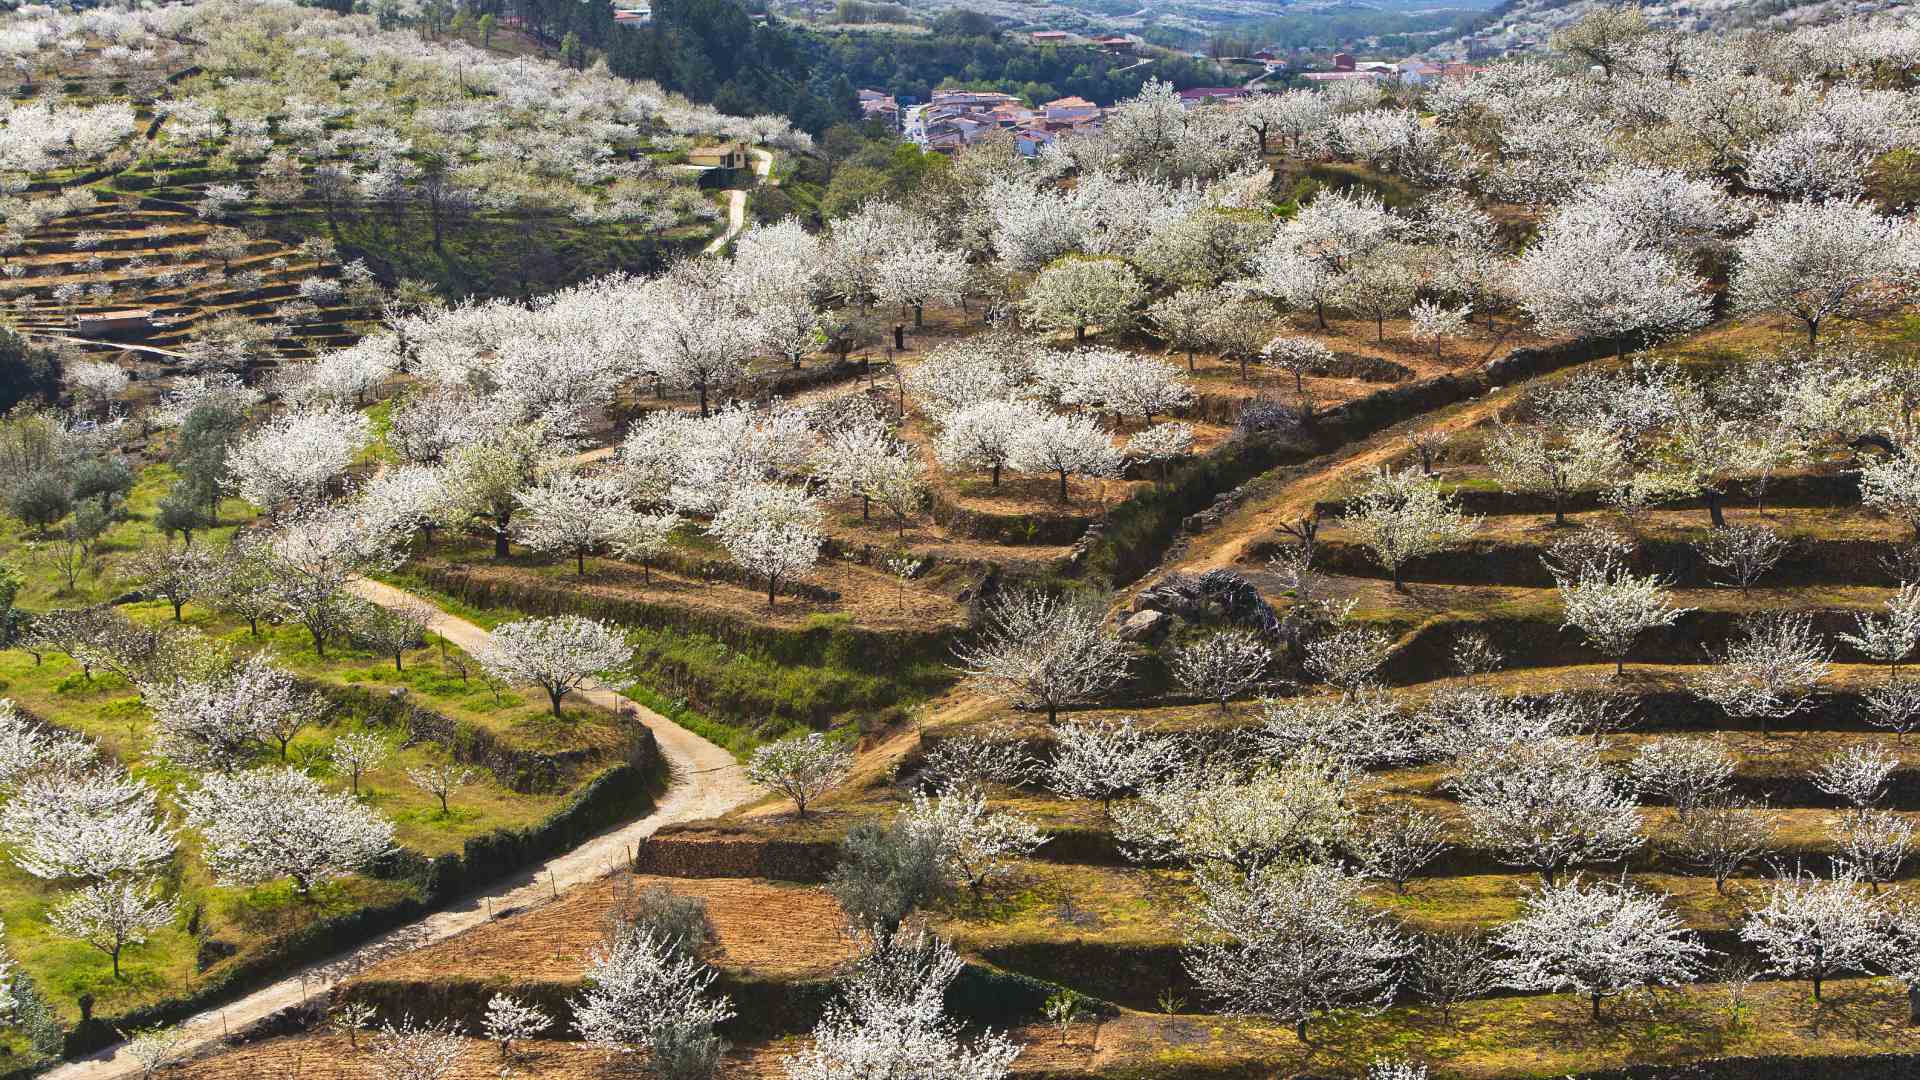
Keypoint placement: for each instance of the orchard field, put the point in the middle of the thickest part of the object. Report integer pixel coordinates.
(1382, 581)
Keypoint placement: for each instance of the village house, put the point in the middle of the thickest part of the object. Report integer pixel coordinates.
(732, 155)
(970, 99)
(1205, 95)
(876, 103)
(1033, 140)
(1067, 110)
(1420, 73)
(1343, 76)
(114, 323)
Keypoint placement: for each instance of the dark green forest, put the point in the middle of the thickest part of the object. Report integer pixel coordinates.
(716, 51)
(713, 51)
(1398, 31)
(917, 64)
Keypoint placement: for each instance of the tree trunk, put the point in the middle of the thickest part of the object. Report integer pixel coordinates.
(580, 562)
(554, 696)
(1714, 511)
(1080, 332)
(1813, 339)
(396, 661)
(703, 401)
(1063, 487)
(1559, 510)
(1380, 328)
(177, 605)
(319, 643)
(500, 540)
(1300, 1031)
(1596, 1008)
(919, 316)
(1320, 312)
(995, 473)
(1191, 368)
(772, 584)
(1913, 1004)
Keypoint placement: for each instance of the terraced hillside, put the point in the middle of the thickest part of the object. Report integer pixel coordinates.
(1412, 582)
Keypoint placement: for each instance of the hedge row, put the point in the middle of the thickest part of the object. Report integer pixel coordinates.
(529, 772)
(1517, 563)
(741, 671)
(1772, 1067)
(1539, 641)
(1008, 529)
(1791, 489)
(824, 639)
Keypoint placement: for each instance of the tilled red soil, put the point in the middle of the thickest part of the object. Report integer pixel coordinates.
(762, 927)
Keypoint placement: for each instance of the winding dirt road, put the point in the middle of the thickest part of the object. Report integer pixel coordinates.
(707, 782)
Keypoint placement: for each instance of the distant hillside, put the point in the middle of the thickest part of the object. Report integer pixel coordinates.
(1538, 19)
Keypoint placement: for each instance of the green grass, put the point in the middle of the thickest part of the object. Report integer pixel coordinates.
(734, 739)
(106, 708)
(380, 420)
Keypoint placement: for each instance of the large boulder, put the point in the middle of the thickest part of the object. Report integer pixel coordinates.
(1148, 625)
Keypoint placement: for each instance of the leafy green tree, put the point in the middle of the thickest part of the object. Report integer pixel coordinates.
(200, 448)
(28, 372)
(105, 479)
(41, 499)
(185, 510)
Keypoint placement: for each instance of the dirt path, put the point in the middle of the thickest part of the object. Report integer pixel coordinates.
(1224, 546)
(154, 349)
(707, 782)
(737, 203)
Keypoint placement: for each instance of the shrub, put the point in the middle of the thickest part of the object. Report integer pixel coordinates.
(885, 873)
(678, 922)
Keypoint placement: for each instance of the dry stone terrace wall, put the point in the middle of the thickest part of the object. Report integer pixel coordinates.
(1137, 531)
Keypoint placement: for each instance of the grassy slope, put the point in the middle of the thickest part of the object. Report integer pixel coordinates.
(106, 708)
